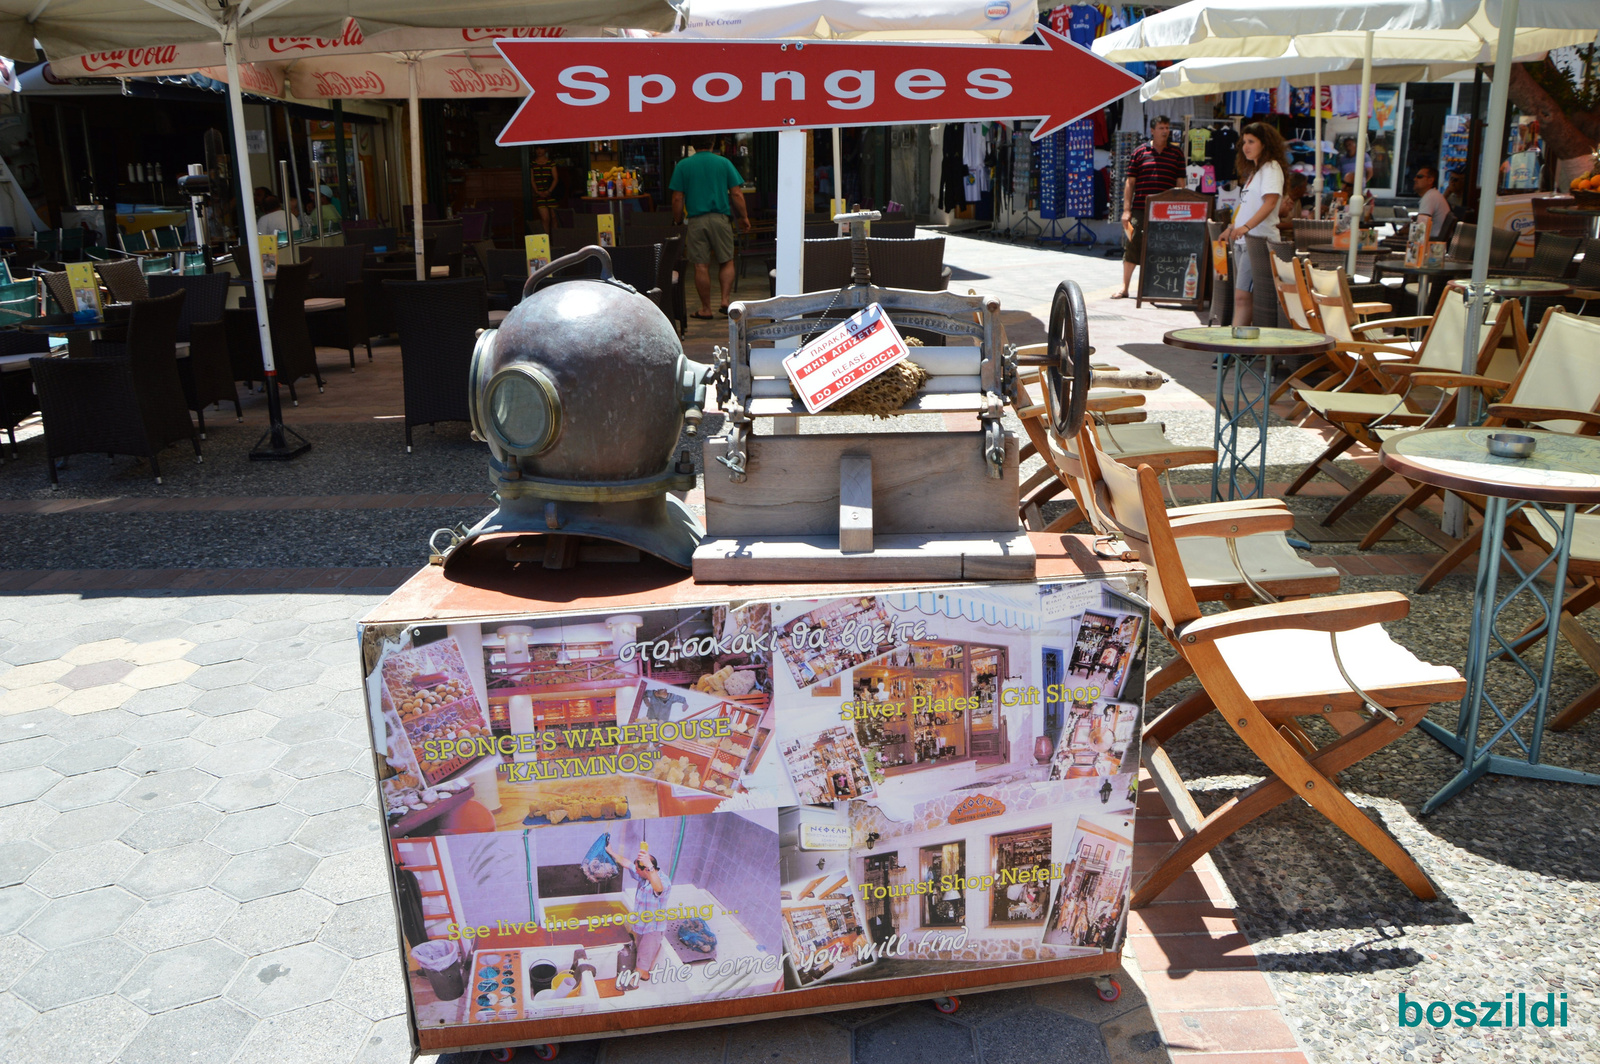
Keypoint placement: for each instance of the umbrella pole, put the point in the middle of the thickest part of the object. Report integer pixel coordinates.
(791, 231)
(275, 445)
(416, 171)
(1316, 109)
(838, 172)
(1358, 201)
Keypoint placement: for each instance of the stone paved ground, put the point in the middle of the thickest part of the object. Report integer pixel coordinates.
(190, 857)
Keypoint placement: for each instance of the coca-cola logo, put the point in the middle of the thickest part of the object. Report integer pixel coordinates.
(130, 58)
(466, 81)
(258, 80)
(489, 33)
(350, 38)
(333, 83)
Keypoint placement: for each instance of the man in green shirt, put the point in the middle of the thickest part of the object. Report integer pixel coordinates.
(702, 187)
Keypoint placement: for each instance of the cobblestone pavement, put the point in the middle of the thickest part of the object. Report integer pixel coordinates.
(191, 858)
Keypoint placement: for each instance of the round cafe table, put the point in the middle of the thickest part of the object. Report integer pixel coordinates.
(1591, 213)
(1246, 407)
(1425, 275)
(1523, 288)
(1546, 488)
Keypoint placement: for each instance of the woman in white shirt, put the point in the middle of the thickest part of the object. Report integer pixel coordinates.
(1262, 162)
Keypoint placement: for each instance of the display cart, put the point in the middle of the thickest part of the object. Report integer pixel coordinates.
(981, 841)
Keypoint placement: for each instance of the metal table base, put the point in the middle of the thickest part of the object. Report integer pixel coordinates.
(1241, 411)
(1476, 753)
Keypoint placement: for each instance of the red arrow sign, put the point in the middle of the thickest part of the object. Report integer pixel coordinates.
(604, 89)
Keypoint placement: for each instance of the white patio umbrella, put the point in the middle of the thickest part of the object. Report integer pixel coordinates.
(1205, 77)
(1420, 30)
(65, 28)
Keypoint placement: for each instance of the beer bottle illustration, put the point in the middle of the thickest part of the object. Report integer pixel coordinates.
(1191, 279)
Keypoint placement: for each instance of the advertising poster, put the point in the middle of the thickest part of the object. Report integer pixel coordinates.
(85, 290)
(610, 811)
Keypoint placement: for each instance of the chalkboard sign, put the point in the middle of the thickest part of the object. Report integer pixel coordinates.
(1174, 235)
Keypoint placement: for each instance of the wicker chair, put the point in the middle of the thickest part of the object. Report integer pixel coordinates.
(917, 265)
(1308, 231)
(17, 401)
(501, 262)
(439, 323)
(378, 236)
(336, 307)
(380, 319)
(443, 249)
(669, 278)
(124, 279)
(292, 351)
(639, 266)
(894, 229)
(1263, 294)
(1552, 255)
(58, 289)
(118, 403)
(204, 368)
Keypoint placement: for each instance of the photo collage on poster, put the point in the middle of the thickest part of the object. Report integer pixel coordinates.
(611, 811)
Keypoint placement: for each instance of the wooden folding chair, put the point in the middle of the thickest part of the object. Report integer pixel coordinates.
(1405, 402)
(1262, 668)
(1557, 388)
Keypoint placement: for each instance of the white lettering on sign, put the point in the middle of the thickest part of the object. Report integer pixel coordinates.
(636, 97)
(769, 84)
(569, 78)
(920, 84)
(845, 357)
(845, 99)
(989, 83)
(731, 87)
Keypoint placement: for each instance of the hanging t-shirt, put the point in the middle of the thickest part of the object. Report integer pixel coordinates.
(1267, 181)
(1083, 23)
(1060, 19)
(1224, 149)
(1197, 139)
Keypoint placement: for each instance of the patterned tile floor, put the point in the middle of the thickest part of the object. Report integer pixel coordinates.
(190, 853)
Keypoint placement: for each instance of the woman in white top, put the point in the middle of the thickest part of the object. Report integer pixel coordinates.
(1262, 162)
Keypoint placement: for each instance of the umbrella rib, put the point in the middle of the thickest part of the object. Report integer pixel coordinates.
(260, 11)
(33, 16)
(188, 11)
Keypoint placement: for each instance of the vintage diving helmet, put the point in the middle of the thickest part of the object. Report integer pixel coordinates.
(581, 395)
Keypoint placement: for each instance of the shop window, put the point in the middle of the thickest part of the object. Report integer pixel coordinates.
(945, 905)
(1023, 901)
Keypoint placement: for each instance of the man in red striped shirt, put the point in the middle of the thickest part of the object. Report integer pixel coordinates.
(1155, 167)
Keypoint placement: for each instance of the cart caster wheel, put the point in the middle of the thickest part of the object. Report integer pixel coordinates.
(547, 1050)
(502, 1055)
(1109, 990)
(947, 1005)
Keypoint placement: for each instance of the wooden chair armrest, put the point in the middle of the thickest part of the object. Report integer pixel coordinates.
(1373, 347)
(1405, 369)
(1394, 323)
(1513, 412)
(1100, 404)
(1232, 525)
(1437, 379)
(1227, 506)
(1584, 294)
(1337, 613)
(1363, 309)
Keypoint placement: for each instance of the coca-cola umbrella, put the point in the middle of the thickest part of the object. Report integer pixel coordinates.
(67, 28)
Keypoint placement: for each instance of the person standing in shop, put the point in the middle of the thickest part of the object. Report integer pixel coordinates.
(1154, 168)
(1262, 162)
(543, 177)
(705, 189)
